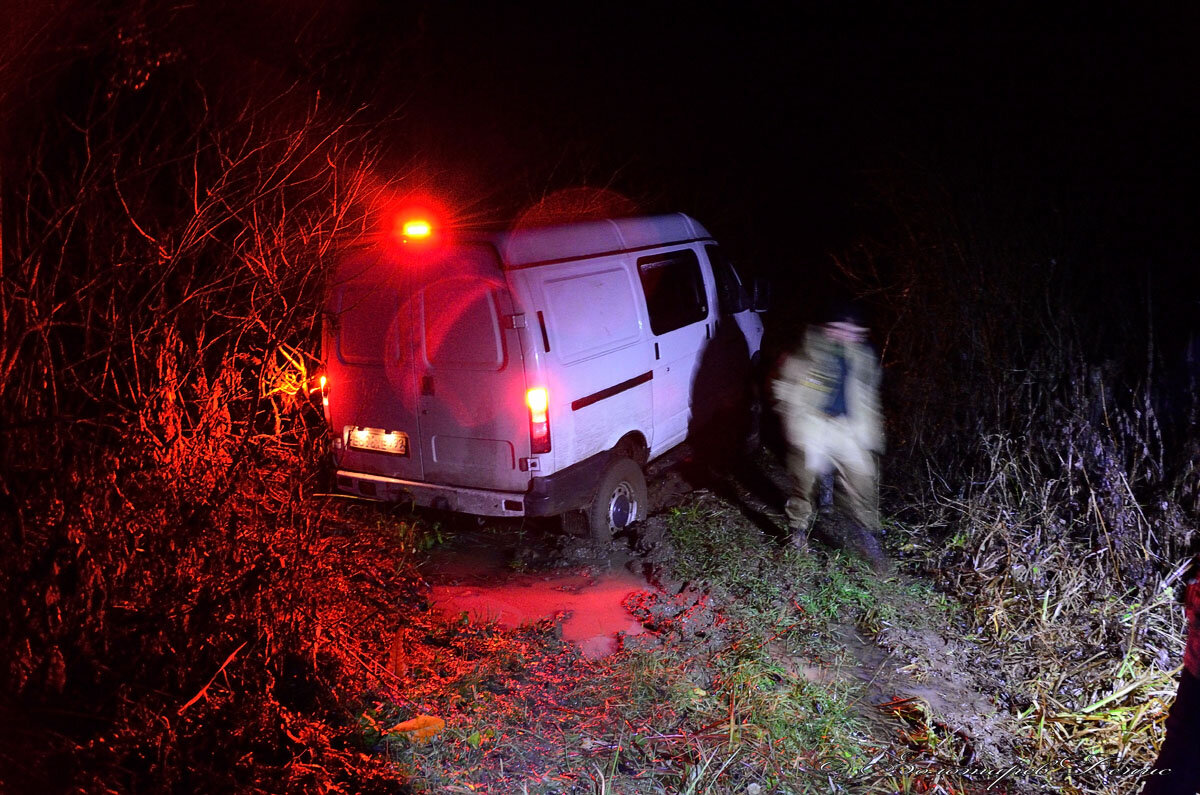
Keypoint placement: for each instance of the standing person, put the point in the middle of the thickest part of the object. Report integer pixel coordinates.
(1177, 769)
(828, 393)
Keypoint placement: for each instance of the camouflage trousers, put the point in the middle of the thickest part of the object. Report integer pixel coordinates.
(825, 447)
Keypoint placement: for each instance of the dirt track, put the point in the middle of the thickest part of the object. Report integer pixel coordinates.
(521, 573)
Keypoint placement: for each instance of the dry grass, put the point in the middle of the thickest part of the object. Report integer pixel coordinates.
(162, 260)
(1043, 413)
(1066, 583)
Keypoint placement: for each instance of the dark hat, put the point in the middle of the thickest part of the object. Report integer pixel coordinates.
(845, 310)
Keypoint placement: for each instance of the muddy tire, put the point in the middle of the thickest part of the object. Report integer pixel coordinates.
(620, 500)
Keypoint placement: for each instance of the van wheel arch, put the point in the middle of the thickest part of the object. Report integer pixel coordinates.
(633, 446)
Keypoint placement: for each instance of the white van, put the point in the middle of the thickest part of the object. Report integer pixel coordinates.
(529, 372)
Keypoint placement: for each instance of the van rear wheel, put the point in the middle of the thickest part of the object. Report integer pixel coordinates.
(620, 500)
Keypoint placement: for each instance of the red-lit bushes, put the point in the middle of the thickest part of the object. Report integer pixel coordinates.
(173, 601)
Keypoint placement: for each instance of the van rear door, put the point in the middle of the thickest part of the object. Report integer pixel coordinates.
(469, 372)
(371, 376)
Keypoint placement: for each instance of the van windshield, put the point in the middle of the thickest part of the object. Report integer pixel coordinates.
(450, 291)
(731, 295)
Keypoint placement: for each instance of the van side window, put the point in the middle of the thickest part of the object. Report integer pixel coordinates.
(731, 296)
(674, 290)
(365, 323)
(461, 325)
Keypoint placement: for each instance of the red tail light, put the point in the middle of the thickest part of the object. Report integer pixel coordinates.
(538, 401)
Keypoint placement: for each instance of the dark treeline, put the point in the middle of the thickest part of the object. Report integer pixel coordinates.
(1005, 312)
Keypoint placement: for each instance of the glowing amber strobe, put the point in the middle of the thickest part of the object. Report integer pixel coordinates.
(417, 228)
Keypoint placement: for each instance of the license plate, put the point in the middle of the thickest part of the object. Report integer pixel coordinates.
(378, 440)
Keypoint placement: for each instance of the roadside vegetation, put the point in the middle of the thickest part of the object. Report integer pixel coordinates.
(174, 611)
(1048, 465)
(772, 670)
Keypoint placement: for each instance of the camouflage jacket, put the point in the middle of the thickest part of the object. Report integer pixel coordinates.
(803, 388)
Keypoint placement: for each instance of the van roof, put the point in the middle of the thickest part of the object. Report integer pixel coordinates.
(543, 245)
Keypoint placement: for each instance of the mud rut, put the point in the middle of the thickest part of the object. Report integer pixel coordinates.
(515, 572)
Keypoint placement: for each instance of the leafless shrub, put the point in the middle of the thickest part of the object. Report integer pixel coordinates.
(167, 619)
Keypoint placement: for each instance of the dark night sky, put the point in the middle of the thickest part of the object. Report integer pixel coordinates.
(777, 129)
(780, 129)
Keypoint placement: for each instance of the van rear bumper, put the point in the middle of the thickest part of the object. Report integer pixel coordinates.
(480, 502)
(566, 490)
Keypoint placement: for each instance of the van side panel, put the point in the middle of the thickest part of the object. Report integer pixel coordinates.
(598, 364)
(592, 312)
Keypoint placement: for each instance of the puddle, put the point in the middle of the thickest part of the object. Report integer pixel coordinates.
(473, 574)
(588, 607)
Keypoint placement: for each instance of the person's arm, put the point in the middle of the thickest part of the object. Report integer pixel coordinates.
(788, 375)
(871, 379)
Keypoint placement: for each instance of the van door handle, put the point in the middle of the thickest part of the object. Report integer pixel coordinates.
(427, 385)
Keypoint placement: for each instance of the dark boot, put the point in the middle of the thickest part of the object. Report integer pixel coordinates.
(798, 533)
(864, 544)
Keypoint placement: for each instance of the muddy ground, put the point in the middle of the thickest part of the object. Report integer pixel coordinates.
(605, 598)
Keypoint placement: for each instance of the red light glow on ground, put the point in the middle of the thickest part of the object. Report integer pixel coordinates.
(589, 608)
